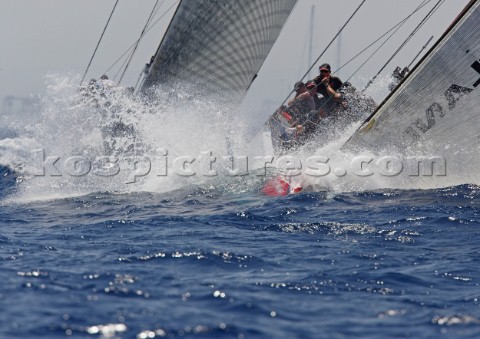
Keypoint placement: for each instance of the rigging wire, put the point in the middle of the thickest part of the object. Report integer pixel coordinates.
(147, 66)
(329, 44)
(415, 31)
(424, 46)
(98, 43)
(138, 80)
(154, 11)
(153, 25)
(121, 67)
(425, 2)
(138, 41)
(335, 37)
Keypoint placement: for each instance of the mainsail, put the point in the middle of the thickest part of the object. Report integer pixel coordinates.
(438, 103)
(219, 46)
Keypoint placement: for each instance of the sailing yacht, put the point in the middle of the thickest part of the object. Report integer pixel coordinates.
(435, 109)
(219, 46)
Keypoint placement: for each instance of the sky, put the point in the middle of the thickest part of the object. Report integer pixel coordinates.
(40, 38)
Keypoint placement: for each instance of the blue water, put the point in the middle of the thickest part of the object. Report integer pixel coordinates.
(202, 262)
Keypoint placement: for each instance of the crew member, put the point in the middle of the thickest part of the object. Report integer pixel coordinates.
(302, 103)
(327, 84)
(105, 84)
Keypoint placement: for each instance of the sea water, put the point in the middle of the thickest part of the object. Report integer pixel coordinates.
(136, 255)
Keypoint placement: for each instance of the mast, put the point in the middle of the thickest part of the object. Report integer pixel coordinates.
(310, 43)
(339, 51)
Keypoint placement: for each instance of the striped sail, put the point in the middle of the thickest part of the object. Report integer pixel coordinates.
(218, 45)
(438, 104)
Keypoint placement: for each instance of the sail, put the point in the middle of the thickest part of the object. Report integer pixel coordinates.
(437, 104)
(219, 46)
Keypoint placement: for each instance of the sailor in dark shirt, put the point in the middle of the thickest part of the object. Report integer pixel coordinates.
(327, 84)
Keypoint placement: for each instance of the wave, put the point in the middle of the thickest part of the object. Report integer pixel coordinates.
(79, 142)
(8, 179)
(75, 143)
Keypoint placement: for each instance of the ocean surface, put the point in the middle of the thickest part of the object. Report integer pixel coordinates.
(83, 257)
(199, 263)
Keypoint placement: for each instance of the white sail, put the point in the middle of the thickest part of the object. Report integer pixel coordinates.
(438, 104)
(218, 45)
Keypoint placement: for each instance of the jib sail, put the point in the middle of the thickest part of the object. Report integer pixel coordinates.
(438, 102)
(218, 45)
